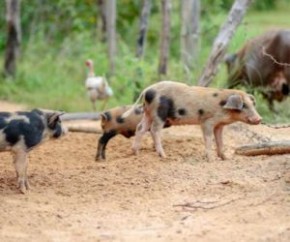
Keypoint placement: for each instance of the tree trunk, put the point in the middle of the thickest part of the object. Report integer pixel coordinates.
(190, 14)
(13, 36)
(143, 27)
(165, 37)
(141, 40)
(221, 42)
(111, 33)
(101, 22)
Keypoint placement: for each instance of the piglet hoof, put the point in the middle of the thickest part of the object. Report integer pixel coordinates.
(23, 186)
(135, 150)
(162, 154)
(222, 156)
(100, 158)
(209, 158)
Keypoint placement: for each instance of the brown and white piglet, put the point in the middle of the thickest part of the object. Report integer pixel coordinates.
(179, 104)
(113, 124)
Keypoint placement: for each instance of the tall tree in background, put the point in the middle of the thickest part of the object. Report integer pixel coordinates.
(13, 36)
(165, 37)
(190, 14)
(111, 33)
(143, 27)
(221, 42)
(141, 40)
(101, 21)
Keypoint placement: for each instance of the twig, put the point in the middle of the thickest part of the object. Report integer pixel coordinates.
(195, 206)
(273, 59)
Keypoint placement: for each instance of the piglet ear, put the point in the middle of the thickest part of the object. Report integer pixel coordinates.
(103, 116)
(53, 117)
(252, 98)
(106, 116)
(234, 102)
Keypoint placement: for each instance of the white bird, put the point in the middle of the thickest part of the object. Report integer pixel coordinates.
(97, 86)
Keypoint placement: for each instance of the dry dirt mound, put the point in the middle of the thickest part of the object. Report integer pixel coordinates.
(146, 198)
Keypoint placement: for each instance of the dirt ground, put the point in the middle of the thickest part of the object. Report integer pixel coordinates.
(146, 198)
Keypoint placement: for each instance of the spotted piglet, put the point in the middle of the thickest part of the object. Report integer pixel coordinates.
(179, 104)
(20, 132)
(113, 124)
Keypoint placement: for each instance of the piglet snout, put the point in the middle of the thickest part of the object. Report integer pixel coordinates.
(254, 120)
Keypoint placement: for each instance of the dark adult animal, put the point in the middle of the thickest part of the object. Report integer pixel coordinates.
(20, 132)
(263, 64)
(179, 104)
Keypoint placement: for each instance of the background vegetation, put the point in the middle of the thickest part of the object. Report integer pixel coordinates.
(59, 35)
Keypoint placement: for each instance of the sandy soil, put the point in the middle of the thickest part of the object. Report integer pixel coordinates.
(146, 198)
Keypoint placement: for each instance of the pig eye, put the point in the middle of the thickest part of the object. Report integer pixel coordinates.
(245, 106)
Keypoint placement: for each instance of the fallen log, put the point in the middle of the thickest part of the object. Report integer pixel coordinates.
(80, 116)
(265, 148)
(84, 129)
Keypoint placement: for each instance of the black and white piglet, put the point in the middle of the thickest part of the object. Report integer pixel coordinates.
(20, 132)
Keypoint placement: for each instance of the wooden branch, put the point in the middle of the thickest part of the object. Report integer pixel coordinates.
(200, 204)
(273, 59)
(83, 129)
(221, 42)
(80, 116)
(268, 148)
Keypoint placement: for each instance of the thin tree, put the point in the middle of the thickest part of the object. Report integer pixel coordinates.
(141, 40)
(190, 14)
(221, 42)
(13, 36)
(101, 20)
(165, 37)
(143, 27)
(111, 33)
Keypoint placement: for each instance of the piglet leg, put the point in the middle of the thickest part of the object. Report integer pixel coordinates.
(156, 128)
(207, 131)
(21, 162)
(141, 129)
(103, 141)
(218, 130)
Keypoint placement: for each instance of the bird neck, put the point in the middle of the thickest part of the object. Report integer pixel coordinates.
(91, 72)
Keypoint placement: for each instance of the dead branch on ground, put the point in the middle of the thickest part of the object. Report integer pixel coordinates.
(84, 129)
(266, 148)
(80, 116)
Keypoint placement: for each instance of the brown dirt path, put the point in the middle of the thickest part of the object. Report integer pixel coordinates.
(140, 198)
